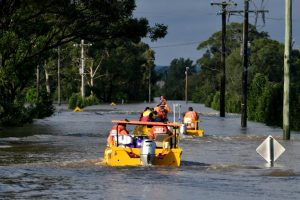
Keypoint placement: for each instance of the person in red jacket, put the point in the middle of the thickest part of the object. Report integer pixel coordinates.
(120, 129)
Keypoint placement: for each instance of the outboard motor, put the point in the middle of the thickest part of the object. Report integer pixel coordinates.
(182, 129)
(147, 152)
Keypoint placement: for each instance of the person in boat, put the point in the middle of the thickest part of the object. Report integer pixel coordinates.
(162, 110)
(120, 129)
(154, 115)
(159, 130)
(146, 115)
(190, 119)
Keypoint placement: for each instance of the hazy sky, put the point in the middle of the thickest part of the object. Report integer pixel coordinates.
(193, 21)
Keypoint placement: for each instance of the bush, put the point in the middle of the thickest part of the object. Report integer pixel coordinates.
(215, 104)
(233, 103)
(91, 100)
(75, 100)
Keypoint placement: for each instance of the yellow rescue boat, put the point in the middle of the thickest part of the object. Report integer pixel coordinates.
(196, 132)
(192, 131)
(137, 149)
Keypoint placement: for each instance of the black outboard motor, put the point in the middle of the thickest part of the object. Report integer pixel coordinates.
(147, 152)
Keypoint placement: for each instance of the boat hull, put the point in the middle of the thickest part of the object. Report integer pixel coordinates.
(198, 132)
(125, 156)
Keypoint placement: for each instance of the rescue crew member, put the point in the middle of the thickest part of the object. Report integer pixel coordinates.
(190, 119)
(146, 115)
(120, 129)
(157, 129)
(162, 110)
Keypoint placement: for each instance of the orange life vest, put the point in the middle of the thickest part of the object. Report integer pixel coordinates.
(155, 130)
(191, 119)
(162, 111)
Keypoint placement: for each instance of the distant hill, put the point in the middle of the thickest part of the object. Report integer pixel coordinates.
(161, 69)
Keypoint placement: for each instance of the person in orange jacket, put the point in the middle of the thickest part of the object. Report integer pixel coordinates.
(190, 119)
(155, 130)
(120, 129)
(162, 110)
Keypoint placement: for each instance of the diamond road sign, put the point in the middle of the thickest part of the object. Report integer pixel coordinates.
(270, 149)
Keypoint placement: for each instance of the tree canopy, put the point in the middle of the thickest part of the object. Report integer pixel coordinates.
(30, 29)
(265, 76)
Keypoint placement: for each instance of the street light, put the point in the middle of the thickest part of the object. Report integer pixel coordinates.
(186, 83)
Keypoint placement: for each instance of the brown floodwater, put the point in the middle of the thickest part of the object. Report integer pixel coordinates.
(60, 158)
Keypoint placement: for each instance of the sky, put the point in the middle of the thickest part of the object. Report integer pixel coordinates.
(191, 22)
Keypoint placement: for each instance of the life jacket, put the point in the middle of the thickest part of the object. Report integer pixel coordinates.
(120, 129)
(158, 130)
(191, 119)
(145, 117)
(162, 111)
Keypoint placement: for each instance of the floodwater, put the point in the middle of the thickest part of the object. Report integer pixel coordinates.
(60, 158)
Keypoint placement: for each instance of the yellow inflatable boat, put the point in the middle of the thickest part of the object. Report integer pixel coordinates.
(138, 149)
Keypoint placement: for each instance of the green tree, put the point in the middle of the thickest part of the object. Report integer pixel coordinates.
(210, 65)
(29, 29)
(175, 83)
(264, 77)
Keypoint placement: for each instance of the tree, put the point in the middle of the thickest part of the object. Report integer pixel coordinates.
(29, 29)
(265, 77)
(175, 82)
(210, 65)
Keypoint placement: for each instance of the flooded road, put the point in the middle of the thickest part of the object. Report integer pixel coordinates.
(60, 158)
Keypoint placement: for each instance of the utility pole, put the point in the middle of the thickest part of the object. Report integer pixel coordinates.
(186, 84)
(37, 82)
(287, 59)
(245, 55)
(58, 76)
(82, 66)
(245, 65)
(224, 12)
(149, 84)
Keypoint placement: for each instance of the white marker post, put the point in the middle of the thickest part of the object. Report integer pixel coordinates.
(270, 150)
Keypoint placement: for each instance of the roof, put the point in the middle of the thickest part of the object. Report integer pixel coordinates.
(145, 123)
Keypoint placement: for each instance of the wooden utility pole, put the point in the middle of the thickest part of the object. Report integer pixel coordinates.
(245, 55)
(37, 81)
(224, 5)
(223, 74)
(58, 76)
(245, 65)
(287, 57)
(82, 59)
(186, 84)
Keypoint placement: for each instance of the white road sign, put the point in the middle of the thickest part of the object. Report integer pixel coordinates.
(270, 149)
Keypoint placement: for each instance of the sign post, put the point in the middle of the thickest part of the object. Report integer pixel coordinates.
(270, 150)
